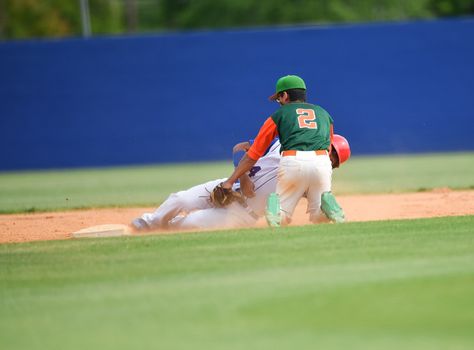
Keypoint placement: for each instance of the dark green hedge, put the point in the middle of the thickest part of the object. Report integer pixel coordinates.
(59, 18)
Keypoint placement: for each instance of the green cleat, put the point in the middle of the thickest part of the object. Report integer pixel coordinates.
(331, 208)
(272, 213)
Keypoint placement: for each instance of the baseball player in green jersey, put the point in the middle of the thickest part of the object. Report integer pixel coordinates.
(305, 131)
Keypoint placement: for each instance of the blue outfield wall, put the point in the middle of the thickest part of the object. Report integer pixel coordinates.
(391, 88)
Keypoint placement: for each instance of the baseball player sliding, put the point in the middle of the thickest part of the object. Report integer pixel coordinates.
(194, 209)
(306, 132)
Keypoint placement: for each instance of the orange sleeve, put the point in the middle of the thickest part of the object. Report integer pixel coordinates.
(265, 136)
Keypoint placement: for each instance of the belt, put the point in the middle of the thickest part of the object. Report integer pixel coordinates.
(319, 152)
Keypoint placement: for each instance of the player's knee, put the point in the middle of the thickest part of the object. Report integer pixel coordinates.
(174, 196)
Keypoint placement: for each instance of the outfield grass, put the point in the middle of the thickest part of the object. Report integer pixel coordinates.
(381, 285)
(149, 186)
(408, 173)
(84, 188)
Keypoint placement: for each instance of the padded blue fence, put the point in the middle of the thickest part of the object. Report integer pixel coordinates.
(391, 88)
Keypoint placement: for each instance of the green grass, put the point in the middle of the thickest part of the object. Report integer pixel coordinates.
(381, 285)
(133, 186)
(83, 188)
(407, 173)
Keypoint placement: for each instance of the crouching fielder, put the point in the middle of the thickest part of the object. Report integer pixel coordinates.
(306, 132)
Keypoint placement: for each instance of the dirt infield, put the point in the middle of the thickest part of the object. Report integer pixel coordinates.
(60, 225)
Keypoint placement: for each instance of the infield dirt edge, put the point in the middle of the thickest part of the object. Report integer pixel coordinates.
(368, 207)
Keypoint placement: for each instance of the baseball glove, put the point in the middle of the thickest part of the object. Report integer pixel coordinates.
(221, 197)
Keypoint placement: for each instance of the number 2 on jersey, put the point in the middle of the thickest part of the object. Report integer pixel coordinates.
(306, 118)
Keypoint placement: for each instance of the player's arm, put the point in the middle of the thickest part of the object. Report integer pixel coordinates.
(264, 138)
(247, 186)
(245, 164)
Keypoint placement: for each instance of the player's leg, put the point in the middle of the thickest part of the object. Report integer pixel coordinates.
(320, 175)
(290, 187)
(258, 203)
(232, 216)
(194, 198)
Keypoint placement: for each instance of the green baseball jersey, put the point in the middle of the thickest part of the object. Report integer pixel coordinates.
(303, 126)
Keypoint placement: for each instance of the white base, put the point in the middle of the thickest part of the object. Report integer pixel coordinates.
(109, 230)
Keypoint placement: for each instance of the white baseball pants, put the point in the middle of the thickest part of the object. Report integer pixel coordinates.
(304, 173)
(191, 209)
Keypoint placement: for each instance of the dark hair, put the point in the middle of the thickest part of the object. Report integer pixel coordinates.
(334, 158)
(297, 94)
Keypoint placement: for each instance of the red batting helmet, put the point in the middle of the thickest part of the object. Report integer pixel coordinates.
(342, 148)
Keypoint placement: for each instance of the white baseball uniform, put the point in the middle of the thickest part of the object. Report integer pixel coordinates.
(191, 208)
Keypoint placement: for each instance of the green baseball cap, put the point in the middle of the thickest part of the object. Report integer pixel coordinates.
(286, 83)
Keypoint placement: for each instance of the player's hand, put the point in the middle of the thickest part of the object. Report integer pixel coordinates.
(242, 146)
(227, 185)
